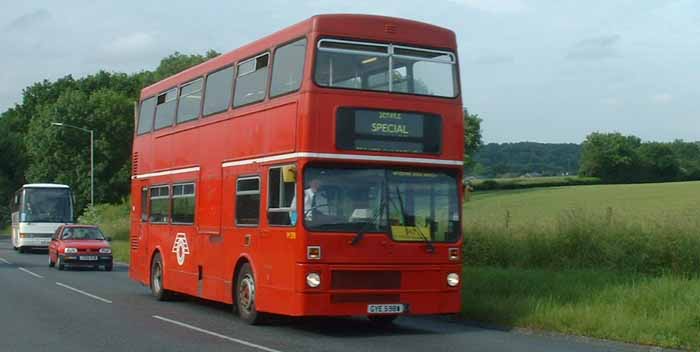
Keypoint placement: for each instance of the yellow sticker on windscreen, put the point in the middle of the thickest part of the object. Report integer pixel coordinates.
(410, 233)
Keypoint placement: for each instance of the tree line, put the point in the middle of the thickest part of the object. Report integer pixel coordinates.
(35, 151)
(516, 159)
(616, 158)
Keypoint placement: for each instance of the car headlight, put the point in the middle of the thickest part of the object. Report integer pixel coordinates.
(70, 250)
(106, 250)
(313, 279)
(452, 279)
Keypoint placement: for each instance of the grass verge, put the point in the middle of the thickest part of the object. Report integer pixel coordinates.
(653, 310)
(113, 219)
(120, 251)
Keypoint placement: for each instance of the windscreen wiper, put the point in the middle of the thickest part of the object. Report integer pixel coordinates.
(361, 234)
(428, 244)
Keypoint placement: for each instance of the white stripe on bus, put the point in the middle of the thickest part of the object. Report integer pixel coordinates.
(342, 157)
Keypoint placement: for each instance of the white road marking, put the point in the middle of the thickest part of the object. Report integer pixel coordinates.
(84, 293)
(31, 273)
(242, 342)
(4, 261)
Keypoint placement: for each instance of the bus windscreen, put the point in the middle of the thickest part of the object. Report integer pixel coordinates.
(52, 205)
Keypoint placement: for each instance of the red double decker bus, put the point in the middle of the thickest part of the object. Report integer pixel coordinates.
(314, 172)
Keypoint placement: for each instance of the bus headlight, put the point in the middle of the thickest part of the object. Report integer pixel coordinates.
(105, 250)
(70, 250)
(452, 279)
(313, 279)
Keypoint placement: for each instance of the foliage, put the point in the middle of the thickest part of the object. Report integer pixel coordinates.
(113, 219)
(35, 151)
(649, 310)
(531, 182)
(472, 137)
(515, 159)
(625, 159)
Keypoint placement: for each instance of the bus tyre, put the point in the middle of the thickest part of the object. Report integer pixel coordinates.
(59, 263)
(382, 320)
(157, 280)
(245, 296)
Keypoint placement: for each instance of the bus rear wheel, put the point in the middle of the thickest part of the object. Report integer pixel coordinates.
(245, 296)
(157, 289)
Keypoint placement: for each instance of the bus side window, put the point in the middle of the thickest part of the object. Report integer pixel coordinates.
(160, 205)
(248, 201)
(165, 109)
(280, 198)
(288, 68)
(251, 81)
(144, 204)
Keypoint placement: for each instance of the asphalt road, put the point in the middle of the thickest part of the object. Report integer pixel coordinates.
(43, 309)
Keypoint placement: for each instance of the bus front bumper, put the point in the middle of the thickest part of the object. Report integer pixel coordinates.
(36, 242)
(351, 290)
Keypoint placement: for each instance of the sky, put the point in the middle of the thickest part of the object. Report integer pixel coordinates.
(533, 70)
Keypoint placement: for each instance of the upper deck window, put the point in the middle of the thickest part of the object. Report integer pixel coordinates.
(165, 109)
(190, 101)
(251, 82)
(217, 93)
(385, 67)
(146, 115)
(288, 68)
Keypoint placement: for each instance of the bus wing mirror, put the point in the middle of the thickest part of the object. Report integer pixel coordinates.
(289, 173)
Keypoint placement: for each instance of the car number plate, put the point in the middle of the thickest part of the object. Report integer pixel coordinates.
(385, 308)
(88, 257)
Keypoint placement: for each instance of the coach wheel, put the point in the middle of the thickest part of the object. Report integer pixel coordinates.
(157, 280)
(382, 320)
(245, 297)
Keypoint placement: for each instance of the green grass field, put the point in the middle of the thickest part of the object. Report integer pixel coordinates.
(608, 261)
(648, 205)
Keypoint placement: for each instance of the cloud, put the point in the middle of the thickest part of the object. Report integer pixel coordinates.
(596, 48)
(29, 20)
(493, 6)
(661, 98)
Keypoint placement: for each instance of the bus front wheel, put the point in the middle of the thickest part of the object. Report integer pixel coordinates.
(245, 296)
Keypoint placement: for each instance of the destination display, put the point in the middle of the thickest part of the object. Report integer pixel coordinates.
(388, 131)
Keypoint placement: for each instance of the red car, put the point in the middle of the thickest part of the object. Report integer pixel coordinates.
(80, 245)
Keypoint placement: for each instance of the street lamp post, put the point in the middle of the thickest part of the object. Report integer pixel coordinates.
(92, 157)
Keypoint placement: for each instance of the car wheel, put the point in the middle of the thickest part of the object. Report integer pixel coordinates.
(157, 280)
(245, 296)
(51, 263)
(59, 263)
(382, 320)
(109, 267)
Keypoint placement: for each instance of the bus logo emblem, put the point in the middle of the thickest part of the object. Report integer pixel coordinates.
(180, 247)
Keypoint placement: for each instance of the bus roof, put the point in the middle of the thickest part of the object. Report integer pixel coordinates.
(369, 27)
(44, 185)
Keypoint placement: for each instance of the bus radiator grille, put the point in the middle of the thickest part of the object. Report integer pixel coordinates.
(365, 280)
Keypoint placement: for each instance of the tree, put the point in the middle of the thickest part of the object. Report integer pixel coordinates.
(472, 137)
(35, 151)
(612, 157)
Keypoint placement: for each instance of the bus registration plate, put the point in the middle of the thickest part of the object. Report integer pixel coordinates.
(385, 308)
(88, 257)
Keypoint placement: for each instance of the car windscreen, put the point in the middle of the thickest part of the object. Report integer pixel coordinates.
(82, 233)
